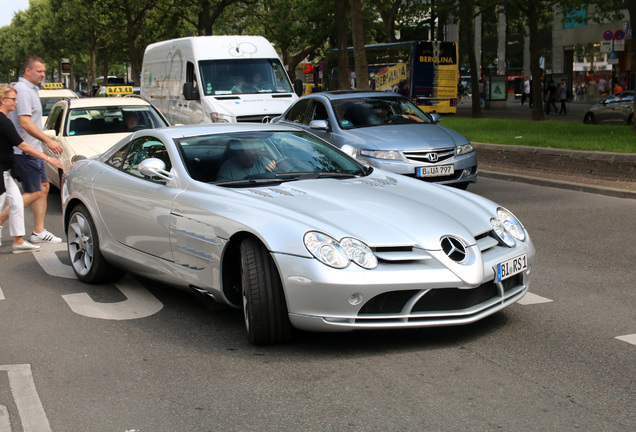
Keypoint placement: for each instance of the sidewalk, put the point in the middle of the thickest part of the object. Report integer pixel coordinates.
(611, 174)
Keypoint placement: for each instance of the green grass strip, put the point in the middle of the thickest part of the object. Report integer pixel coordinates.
(562, 135)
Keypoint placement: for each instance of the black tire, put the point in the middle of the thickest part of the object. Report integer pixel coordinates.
(264, 307)
(83, 250)
(630, 119)
(589, 119)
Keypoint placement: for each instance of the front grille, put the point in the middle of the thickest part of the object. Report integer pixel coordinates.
(421, 156)
(255, 118)
(440, 299)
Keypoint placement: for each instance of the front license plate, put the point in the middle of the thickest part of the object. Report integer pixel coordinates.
(435, 171)
(511, 267)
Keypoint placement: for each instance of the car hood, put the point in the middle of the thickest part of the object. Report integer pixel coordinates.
(404, 137)
(90, 145)
(381, 210)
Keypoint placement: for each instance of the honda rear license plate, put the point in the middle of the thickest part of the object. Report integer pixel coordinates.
(511, 267)
(435, 171)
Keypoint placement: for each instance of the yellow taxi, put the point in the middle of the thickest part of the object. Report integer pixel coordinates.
(90, 126)
(50, 94)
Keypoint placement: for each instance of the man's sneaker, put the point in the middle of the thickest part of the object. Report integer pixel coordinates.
(44, 237)
(25, 247)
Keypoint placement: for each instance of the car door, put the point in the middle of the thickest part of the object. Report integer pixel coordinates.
(135, 207)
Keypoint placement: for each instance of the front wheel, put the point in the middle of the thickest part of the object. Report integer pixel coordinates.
(589, 119)
(83, 250)
(630, 119)
(264, 307)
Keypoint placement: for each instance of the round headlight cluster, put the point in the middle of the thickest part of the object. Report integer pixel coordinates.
(507, 227)
(339, 254)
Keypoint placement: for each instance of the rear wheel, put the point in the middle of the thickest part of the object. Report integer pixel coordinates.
(630, 119)
(589, 118)
(83, 250)
(264, 306)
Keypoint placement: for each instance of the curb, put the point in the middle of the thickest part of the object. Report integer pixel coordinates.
(561, 184)
(587, 171)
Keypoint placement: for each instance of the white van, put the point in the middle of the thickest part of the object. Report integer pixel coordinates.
(216, 79)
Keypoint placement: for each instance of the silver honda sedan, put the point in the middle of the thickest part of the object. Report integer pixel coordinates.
(285, 227)
(387, 131)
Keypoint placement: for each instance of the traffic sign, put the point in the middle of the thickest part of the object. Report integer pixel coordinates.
(619, 34)
(608, 35)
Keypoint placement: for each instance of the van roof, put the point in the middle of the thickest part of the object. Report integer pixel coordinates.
(228, 46)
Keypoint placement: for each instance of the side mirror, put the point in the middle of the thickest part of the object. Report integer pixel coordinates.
(436, 117)
(155, 167)
(189, 92)
(322, 125)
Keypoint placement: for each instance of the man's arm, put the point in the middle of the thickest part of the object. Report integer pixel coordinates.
(35, 132)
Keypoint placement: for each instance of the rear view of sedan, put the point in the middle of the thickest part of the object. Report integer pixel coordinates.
(387, 131)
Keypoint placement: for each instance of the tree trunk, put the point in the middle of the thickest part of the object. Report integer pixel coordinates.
(359, 54)
(535, 66)
(468, 23)
(343, 55)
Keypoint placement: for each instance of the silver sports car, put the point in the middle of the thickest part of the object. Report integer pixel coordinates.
(276, 222)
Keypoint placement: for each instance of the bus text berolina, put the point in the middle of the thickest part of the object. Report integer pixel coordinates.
(431, 59)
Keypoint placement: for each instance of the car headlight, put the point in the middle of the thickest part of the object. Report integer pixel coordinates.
(382, 154)
(220, 118)
(507, 227)
(465, 149)
(511, 224)
(337, 254)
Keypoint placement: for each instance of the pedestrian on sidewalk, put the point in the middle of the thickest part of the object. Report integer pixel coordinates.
(526, 91)
(562, 95)
(551, 98)
(10, 192)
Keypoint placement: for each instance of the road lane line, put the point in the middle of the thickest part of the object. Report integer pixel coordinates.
(26, 398)
(530, 299)
(5, 422)
(140, 304)
(628, 338)
(50, 262)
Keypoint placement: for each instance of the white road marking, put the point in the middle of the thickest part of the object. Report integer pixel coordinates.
(628, 338)
(5, 422)
(1, 298)
(50, 262)
(26, 398)
(530, 299)
(140, 304)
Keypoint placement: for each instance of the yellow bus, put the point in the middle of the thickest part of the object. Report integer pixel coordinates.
(424, 71)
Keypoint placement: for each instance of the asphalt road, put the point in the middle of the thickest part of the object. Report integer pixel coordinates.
(138, 356)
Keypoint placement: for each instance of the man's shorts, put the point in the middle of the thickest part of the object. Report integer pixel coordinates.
(32, 172)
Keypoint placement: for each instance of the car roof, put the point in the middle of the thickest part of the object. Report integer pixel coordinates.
(219, 128)
(102, 101)
(352, 94)
(58, 93)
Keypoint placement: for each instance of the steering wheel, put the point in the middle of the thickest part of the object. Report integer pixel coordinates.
(285, 164)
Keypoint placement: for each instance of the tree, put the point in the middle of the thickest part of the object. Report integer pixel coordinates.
(359, 54)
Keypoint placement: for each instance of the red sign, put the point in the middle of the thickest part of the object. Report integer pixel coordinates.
(608, 35)
(619, 35)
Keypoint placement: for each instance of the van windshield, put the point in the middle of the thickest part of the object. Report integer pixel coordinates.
(243, 76)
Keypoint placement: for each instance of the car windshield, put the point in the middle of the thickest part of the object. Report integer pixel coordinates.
(377, 111)
(112, 119)
(243, 76)
(47, 104)
(245, 158)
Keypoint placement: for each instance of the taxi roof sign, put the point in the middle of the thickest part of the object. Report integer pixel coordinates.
(117, 90)
(52, 86)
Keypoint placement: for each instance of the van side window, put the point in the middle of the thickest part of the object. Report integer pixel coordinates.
(191, 77)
